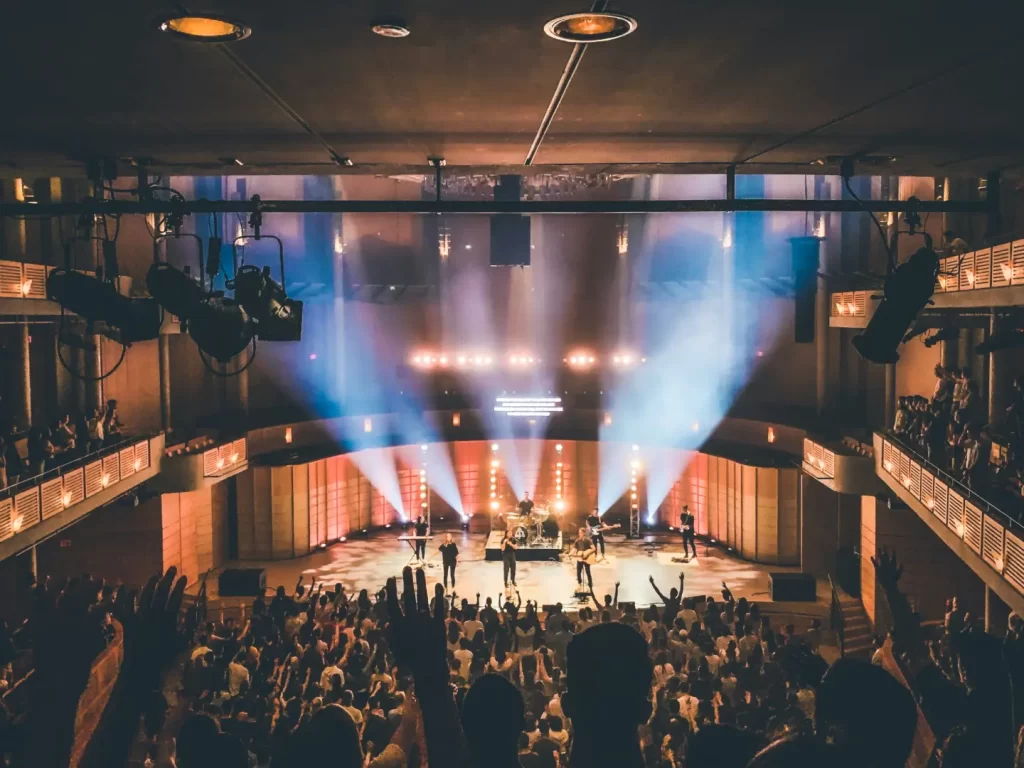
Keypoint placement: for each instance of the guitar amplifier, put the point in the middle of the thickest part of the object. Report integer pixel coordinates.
(242, 582)
(792, 587)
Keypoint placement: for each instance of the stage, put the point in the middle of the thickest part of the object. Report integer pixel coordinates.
(543, 549)
(365, 562)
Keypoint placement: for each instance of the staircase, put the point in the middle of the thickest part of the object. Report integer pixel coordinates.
(859, 637)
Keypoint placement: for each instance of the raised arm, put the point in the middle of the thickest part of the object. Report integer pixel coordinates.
(615, 600)
(658, 591)
(682, 578)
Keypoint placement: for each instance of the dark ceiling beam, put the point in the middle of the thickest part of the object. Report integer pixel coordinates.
(485, 207)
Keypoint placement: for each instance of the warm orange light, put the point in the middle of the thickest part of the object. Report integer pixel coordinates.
(607, 418)
(67, 499)
(138, 464)
(234, 457)
(26, 287)
(220, 463)
(288, 434)
(771, 434)
(16, 523)
(367, 425)
(106, 480)
(205, 29)
(1007, 272)
(456, 419)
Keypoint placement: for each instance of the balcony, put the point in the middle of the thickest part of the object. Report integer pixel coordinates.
(39, 507)
(845, 466)
(23, 289)
(200, 464)
(987, 539)
(988, 277)
(852, 309)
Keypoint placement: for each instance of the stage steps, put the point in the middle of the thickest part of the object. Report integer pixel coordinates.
(859, 635)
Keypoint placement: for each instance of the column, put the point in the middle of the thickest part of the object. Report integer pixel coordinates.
(165, 382)
(21, 409)
(890, 394)
(997, 385)
(93, 371)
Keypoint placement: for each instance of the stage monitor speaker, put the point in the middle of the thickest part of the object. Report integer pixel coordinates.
(510, 240)
(627, 607)
(242, 582)
(805, 283)
(792, 587)
(549, 609)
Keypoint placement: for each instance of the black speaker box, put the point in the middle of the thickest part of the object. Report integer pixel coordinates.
(242, 582)
(549, 609)
(792, 587)
(627, 607)
(510, 240)
(805, 283)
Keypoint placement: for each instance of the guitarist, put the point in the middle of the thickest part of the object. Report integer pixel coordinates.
(596, 531)
(584, 550)
(686, 526)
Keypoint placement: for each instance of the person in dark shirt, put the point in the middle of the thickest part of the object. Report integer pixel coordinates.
(526, 506)
(421, 530)
(449, 558)
(672, 602)
(595, 531)
(583, 548)
(686, 526)
(545, 747)
(508, 556)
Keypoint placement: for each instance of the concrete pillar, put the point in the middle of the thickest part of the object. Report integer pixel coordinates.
(998, 387)
(821, 313)
(21, 409)
(890, 394)
(947, 354)
(93, 371)
(165, 382)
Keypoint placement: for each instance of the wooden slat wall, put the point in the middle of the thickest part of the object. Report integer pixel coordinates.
(789, 517)
(767, 550)
(748, 491)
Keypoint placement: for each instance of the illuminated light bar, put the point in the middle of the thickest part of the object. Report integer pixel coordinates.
(528, 406)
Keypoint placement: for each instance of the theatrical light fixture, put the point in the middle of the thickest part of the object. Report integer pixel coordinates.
(204, 29)
(907, 290)
(277, 317)
(288, 434)
(494, 446)
(96, 300)
(393, 28)
(368, 426)
(590, 27)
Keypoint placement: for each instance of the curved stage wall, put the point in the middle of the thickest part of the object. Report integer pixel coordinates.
(288, 511)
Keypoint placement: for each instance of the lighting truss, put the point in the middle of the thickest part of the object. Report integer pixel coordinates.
(528, 406)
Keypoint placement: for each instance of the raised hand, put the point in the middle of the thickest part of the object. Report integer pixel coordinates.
(417, 637)
(887, 569)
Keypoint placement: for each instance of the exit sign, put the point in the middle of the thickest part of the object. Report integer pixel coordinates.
(65, 543)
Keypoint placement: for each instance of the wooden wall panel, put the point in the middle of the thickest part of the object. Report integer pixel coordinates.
(282, 513)
(868, 550)
(171, 527)
(789, 517)
(300, 510)
(767, 550)
(749, 512)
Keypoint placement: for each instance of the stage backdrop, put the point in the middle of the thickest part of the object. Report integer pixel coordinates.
(288, 511)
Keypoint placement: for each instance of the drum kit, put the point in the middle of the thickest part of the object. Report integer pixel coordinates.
(529, 530)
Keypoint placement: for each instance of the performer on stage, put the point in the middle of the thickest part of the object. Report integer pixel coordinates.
(595, 531)
(525, 506)
(508, 556)
(449, 558)
(584, 550)
(421, 546)
(686, 524)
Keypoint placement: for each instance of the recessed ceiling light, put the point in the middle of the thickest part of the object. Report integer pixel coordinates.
(204, 29)
(391, 28)
(590, 27)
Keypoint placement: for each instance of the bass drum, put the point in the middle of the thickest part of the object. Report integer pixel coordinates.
(550, 528)
(521, 534)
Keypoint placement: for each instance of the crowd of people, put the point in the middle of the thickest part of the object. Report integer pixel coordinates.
(327, 677)
(68, 438)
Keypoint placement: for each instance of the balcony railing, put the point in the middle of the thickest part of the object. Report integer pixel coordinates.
(31, 501)
(997, 266)
(988, 531)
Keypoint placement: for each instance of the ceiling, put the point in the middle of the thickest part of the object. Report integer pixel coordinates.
(701, 84)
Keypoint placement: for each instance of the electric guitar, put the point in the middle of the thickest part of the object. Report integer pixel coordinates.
(601, 528)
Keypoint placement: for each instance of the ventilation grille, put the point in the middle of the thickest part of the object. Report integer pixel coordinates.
(860, 303)
(904, 469)
(941, 496)
(983, 269)
(127, 462)
(888, 459)
(26, 510)
(6, 507)
(210, 459)
(111, 470)
(10, 279)
(53, 498)
(74, 484)
(915, 480)
(1017, 257)
(1013, 569)
(239, 448)
(830, 463)
(955, 513)
(1002, 266)
(972, 527)
(928, 489)
(93, 478)
(993, 544)
(949, 277)
(142, 455)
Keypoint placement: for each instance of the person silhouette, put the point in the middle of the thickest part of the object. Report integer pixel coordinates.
(608, 682)
(492, 719)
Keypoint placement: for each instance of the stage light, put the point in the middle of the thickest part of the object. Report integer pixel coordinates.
(288, 434)
(423, 505)
(760, 353)
(494, 505)
(417, 360)
(423, 487)
(560, 506)
(423, 473)
(105, 480)
(97, 301)
(444, 360)
(771, 434)
(607, 419)
(277, 317)
(367, 425)
(495, 463)
(66, 499)
(907, 290)
(494, 446)
(636, 447)
(727, 239)
(423, 447)
(487, 361)
(343, 539)
(16, 523)
(559, 464)
(456, 419)
(220, 463)
(696, 426)
(204, 29)
(590, 27)
(528, 406)
(423, 495)
(138, 462)
(558, 447)
(494, 495)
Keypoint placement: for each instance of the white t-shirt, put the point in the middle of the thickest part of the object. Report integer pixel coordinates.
(470, 627)
(237, 674)
(689, 616)
(327, 674)
(465, 659)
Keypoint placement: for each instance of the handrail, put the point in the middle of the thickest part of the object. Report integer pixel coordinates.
(836, 617)
(1009, 521)
(62, 469)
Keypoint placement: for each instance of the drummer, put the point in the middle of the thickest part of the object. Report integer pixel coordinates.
(525, 506)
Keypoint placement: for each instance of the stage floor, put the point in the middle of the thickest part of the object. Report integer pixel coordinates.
(367, 562)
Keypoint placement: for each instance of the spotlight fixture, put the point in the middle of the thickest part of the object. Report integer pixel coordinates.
(204, 29)
(590, 27)
(96, 300)
(394, 28)
(944, 334)
(907, 290)
(277, 317)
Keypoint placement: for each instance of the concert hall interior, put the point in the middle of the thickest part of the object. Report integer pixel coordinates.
(300, 291)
